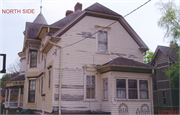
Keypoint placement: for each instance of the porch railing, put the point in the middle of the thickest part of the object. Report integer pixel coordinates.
(13, 104)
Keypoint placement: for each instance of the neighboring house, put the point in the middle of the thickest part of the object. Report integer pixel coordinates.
(165, 97)
(2, 100)
(104, 73)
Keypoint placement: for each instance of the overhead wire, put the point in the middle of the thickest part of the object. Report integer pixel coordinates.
(107, 26)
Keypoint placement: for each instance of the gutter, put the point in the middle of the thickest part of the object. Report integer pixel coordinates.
(60, 54)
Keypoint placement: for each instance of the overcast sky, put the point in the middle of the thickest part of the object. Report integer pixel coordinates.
(143, 21)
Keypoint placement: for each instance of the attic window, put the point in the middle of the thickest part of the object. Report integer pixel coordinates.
(102, 41)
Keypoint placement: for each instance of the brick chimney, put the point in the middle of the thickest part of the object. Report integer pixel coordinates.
(69, 12)
(78, 6)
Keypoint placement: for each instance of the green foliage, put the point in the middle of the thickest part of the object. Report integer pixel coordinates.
(148, 56)
(170, 20)
(2, 108)
(6, 77)
(173, 72)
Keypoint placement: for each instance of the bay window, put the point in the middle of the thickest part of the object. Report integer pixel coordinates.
(105, 88)
(132, 88)
(121, 88)
(33, 58)
(143, 86)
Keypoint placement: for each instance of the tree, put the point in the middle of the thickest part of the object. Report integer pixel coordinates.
(170, 21)
(14, 67)
(148, 56)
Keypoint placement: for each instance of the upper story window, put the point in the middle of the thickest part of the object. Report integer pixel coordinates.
(33, 59)
(90, 87)
(32, 87)
(102, 41)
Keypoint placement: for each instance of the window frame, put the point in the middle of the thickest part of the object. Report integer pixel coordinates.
(143, 89)
(127, 88)
(164, 97)
(91, 85)
(105, 89)
(31, 91)
(31, 66)
(49, 77)
(121, 88)
(133, 89)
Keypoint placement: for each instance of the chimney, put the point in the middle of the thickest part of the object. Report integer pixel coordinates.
(69, 12)
(78, 6)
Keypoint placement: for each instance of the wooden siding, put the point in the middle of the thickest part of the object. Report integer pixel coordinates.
(161, 58)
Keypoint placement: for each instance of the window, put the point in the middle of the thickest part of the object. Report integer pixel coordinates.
(41, 85)
(90, 87)
(32, 85)
(132, 88)
(164, 97)
(102, 41)
(143, 86)
(105, 88)
(49, 85)
(33, 60)
(121, 88)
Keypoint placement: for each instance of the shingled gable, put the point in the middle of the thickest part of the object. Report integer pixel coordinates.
(97, 10)
(168, 51)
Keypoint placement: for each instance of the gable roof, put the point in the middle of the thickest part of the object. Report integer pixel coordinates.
(96, 7)
(97, 10)
(67, 19)
(120, 61)
(168, 51)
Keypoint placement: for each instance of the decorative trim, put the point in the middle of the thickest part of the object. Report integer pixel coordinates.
(123, 109)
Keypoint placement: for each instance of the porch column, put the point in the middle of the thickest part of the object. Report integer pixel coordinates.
(19, 96)
(5, 97)
(9, 96)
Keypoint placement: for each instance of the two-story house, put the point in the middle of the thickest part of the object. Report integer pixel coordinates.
(91, 61)
(165, 96)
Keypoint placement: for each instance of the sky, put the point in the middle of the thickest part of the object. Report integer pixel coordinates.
(143, 21)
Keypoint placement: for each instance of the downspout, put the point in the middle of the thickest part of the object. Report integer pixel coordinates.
(60, 54)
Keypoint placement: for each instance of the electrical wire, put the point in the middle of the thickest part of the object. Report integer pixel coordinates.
(107, 26)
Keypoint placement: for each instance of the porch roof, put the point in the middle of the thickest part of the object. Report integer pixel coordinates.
(17, 78)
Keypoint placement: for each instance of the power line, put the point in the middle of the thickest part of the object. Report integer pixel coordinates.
(107, 26)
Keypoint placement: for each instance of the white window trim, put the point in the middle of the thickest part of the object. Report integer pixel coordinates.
(103, 89)
(127, 91)
(99, 28)
(35, 90)
(85, 76)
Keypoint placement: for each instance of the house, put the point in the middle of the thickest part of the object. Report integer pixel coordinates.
(165, 96)
(2, 96)
(79, 64)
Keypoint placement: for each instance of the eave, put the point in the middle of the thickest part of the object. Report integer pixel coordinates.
(124, 68)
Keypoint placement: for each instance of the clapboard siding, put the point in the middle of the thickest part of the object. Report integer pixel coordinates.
(161, 58)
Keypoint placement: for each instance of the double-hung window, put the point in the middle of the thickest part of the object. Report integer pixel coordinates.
(164, 97)
(49, 84)
(102, 41)
(132, 88)
(33, 59)
(32, 86)
(90, 87)
(143, 86)
(121, 88)
(105, 88)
